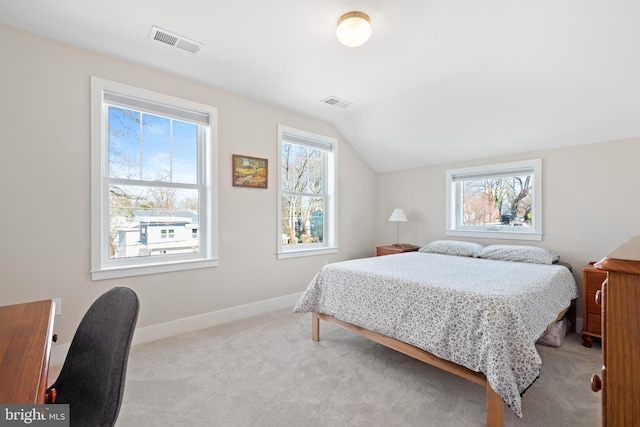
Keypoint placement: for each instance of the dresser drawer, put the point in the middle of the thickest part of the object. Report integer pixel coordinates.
(594, 324)
(593, 280)
(592, 307)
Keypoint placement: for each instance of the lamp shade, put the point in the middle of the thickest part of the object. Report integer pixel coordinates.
(354, 29)
(398, 215)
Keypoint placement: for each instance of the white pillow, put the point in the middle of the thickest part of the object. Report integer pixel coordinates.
(519, 253)
(452, 247)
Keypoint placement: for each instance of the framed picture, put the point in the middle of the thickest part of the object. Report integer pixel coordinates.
(250, 171)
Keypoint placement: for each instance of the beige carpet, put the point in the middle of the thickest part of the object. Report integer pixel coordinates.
(266, 371)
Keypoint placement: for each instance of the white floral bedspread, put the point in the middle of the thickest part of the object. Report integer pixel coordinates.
(482, 314)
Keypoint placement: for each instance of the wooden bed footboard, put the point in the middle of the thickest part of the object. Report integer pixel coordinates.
(494, 403)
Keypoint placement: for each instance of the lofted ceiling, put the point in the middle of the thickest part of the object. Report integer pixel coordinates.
(438, 81)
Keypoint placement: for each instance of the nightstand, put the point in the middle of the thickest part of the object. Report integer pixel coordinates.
(396, 249)
(591, 313)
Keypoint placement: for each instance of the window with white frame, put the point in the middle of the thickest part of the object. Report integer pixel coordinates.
(306, 193)
(496, 201)
(153, 193)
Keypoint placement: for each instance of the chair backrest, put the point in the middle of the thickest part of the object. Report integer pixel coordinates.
(93, 374)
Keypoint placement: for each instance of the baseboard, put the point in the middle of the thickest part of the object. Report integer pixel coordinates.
(193, 323)
(579, 323)
(188, 324)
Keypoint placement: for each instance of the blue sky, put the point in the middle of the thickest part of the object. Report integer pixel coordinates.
(167, 149)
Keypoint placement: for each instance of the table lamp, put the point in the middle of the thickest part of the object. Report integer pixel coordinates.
(398, 216)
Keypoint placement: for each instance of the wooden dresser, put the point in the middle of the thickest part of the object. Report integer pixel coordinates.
(592, 322)
(396, 249)
(619, 380)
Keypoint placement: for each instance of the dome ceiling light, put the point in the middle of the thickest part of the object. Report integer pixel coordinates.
(354, 29)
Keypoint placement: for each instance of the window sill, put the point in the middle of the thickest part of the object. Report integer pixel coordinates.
(129, 271)
(305, 252)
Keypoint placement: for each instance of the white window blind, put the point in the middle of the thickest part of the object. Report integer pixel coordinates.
(472, 176)
(170, 111)
(311, 143)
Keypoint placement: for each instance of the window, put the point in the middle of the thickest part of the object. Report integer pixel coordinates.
(152, 182)
(497, 201)
(170, 233)
(306, 193)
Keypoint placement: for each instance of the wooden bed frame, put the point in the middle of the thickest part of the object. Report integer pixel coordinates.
(494, 403)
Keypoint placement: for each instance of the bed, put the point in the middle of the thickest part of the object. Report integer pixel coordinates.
(473, 310)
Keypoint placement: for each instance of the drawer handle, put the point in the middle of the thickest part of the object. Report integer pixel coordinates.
(598, 299)
(596, 383)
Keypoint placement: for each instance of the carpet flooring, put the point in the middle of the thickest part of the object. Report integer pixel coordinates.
(266, 371)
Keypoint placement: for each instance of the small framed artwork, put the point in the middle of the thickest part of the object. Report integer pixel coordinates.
(250, 171)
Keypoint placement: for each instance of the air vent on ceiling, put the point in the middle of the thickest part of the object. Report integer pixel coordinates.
(337, 102)
(173, 39)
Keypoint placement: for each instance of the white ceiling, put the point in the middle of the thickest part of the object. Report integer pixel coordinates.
(438, 81)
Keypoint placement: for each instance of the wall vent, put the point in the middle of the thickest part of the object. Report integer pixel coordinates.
(337, 102)
(175, 40)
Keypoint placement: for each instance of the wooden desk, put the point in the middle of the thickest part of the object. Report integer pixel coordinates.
(26, 332)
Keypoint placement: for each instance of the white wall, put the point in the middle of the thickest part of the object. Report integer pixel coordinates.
(591, 201)
(44, 167)
(591, 198)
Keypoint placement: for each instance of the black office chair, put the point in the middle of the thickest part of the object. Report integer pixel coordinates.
(92, 378)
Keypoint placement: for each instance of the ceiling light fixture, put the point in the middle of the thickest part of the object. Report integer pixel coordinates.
(354, 29)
